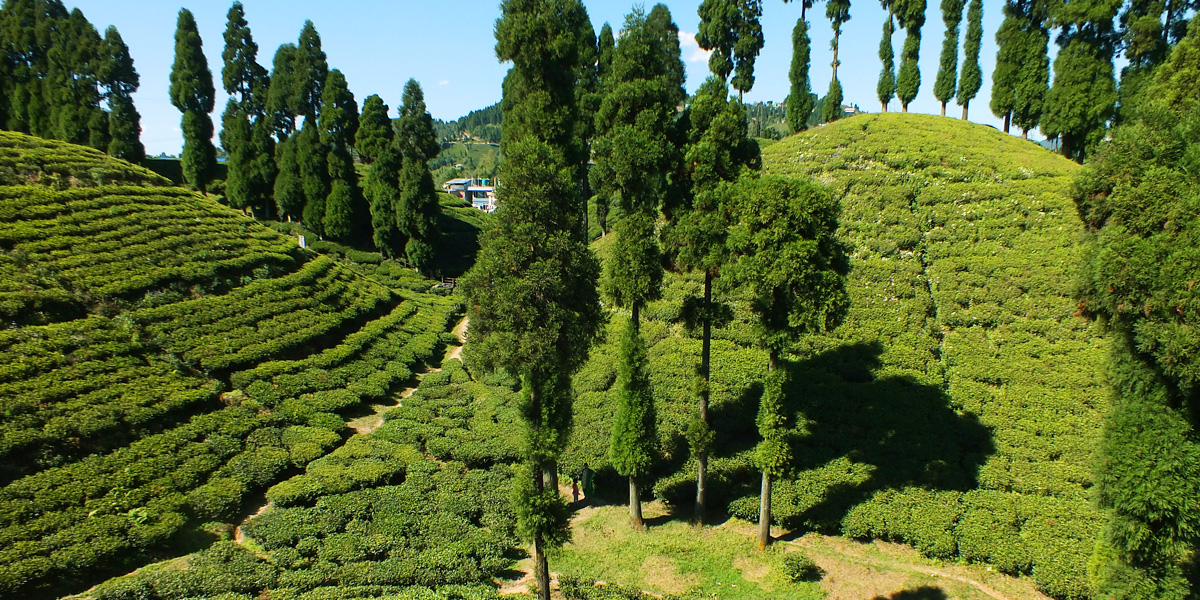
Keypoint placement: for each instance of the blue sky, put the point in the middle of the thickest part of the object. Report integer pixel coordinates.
(449, 48)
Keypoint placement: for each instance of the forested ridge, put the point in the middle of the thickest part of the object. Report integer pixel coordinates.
(896, 327)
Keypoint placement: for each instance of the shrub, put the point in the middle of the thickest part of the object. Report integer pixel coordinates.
(797, 566)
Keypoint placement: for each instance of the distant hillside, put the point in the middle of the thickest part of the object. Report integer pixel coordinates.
(481, 125)
(164, 358)
(958, 406)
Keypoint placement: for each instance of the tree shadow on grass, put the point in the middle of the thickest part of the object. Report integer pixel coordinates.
(858, 433)
(925, 592)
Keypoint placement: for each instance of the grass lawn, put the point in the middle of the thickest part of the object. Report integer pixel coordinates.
(723, 563)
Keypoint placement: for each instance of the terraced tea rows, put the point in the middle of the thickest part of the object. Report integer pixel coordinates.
(129, 311)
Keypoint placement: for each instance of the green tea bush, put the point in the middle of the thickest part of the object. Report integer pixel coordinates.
(797, 566)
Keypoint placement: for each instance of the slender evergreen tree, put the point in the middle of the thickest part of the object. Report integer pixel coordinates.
(313, 171)
(418, 209)
(635, 156)
(911, 14)
(310, 70)
(1033, 77)
(605, 45)
(376, 144)
(732, 30)
(1083, 97)
(1008, 63)
(945, 85)
(192, 93)
(532, 294)
(375, 132)
(588, 96)
(838, 13)
(971, 78)
(246, 185)
(787, 258)
(799, 101)
(279, 94)
(717, 151)
(120, 81)
(346, 213)
(886, 88)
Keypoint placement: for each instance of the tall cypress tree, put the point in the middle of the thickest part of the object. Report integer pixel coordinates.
(375, 132)
(717, 151)
(376, 144)
(534, 306)
(288, 187)
(1008, 63)
(732, 30)
(971, 78)
(886, 88)
(192, 93)
(120, 80)
(313, 170)
(246, 186)
(71, 85)
(588, 96)
(799, 101)
(634, 157)
(947, 78)
(345, 210)
(787, 257)
(911, 14)
(838, 12)
(418, 209)
(310, 69)
(605, 45)
(1084, 95)
(279, 93)
(1033, 77)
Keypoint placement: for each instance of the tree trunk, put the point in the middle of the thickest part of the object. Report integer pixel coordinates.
(1025, 134)
(1007, 120)
(836, 35)
(705, 370)
(904, 107)
(943, 109)
(764, 513)
(550, 475)
(635, 505)
(968, 103)
(541, 567)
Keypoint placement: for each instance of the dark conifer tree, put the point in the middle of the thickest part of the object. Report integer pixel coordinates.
(838, 13)
(309, 71)
(605, 45)
(732, 30)
(375, 132)
(799, 100)
(588, 96)
(1033, 77)
(971, 78)
(289, 186)
(787, 257)
(192, 93)
(71, 86)
(279, 93)
(120, 81)
(246, 185)
(911, 14)
(376, 144)
(717, 151)
(1084, 95)
(886, 88)
(311, 160)
(944, 87)
(532, 296)
(635, 156)
(1009, 54)
(418, 209)
(346, 213)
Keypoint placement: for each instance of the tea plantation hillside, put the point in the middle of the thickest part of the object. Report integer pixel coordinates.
(162, 359)
(957, 407)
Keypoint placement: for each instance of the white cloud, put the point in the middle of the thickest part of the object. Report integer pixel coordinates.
(444, 82)
(692, 52)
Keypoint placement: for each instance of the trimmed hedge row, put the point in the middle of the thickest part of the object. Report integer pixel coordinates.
(26, 159)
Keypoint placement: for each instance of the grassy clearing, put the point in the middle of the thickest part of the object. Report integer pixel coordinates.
(674, 557)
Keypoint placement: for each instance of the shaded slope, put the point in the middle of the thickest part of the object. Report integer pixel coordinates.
(958, 406)
(966, 237)
(164, 357)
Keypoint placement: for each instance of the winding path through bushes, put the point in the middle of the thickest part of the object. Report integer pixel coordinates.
(364, 425)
